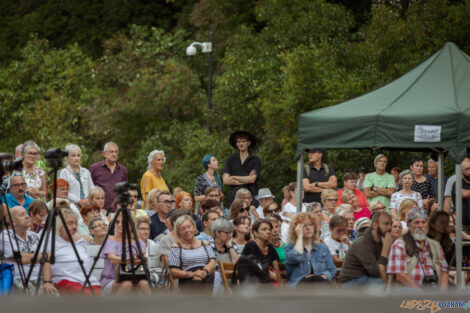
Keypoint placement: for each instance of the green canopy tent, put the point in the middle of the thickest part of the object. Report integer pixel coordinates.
(427, 108)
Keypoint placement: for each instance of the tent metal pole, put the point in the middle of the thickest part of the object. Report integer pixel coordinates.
(458, 223)
(440, 179)
(300, 165)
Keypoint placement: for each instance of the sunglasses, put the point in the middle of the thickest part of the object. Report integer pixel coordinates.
(244, 210)
(332, 200)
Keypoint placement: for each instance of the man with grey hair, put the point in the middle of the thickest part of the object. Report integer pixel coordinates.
(107, 173)
(433, 174)
(222, 231)
(379, 185)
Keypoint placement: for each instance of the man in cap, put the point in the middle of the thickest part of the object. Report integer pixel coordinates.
(243, 168)
(317, 176)
(416, 260)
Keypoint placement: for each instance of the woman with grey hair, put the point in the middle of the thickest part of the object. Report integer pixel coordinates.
(35, 177)
(407, 178)
(222, 230)
(152, 178)
(66, 275)
(79, 178)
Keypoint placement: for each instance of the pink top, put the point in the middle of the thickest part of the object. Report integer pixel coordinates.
(364, 212)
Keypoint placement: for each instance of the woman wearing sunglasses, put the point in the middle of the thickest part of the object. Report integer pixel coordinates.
(239, 208)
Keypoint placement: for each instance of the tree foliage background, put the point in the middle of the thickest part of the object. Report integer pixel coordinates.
(89, 72)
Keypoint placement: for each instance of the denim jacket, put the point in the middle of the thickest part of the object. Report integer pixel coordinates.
(298, 264)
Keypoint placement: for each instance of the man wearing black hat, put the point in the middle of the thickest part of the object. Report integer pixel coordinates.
(317, 177)
(242, 169)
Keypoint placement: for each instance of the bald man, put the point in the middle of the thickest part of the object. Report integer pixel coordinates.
(465, 195)
(27, 242)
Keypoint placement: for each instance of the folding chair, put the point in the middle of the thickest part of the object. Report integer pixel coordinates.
(226, 271)
(164, 259)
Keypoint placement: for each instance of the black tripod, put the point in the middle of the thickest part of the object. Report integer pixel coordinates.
(7, 167)
(53, 156)
(16, 253)
(128, 226)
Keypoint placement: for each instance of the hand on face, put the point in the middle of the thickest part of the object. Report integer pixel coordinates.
(299, 230)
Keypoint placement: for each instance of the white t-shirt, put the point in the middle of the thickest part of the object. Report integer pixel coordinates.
(66, 265)
(397, 198)
(288, 207)
(26, 246)
(335, 247)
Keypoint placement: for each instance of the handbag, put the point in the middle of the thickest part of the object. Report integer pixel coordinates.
(126, 272)
(203, 285)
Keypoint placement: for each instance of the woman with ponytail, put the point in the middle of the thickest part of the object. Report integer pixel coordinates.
(208, 179)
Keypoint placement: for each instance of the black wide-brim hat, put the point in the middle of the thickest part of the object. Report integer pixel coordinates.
(234, 135)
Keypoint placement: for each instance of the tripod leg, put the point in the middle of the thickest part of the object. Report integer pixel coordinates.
(80, 261)
(139, 250)
(97, 257)
(16, 255)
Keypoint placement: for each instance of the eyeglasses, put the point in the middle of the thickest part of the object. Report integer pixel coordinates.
(32, 153)
(332, 200)
(144, 228)
(90, 203)
(244, 210)
(19, 185)
(99, 226)
(379, 208)
(167, 201)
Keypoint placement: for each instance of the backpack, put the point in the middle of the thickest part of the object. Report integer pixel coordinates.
(248, 269)
(325, 166)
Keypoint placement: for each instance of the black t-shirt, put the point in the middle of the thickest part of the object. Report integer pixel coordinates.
(156, 226)
(321, 176)
(465, 203)
(251, 248)
(234, 167)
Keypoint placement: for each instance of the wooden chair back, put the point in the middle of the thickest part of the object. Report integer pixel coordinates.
(164, 259)
(226, 271)
(280, 270)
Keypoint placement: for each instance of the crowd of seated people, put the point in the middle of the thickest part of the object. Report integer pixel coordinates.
(385, 228)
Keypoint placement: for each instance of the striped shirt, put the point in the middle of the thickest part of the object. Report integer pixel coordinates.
(190, 258)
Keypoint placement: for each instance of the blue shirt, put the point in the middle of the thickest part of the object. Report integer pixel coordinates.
(11, 201)
(299, 265)
(204, 237)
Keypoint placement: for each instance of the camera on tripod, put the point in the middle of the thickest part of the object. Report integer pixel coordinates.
(123, 187)
(8, 164)
(54, 157)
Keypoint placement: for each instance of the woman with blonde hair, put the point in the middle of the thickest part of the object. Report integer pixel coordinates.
(329, 198)
(405, 208)
(96, 195)
(193, 261)
(307, 259)
(151, 201)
